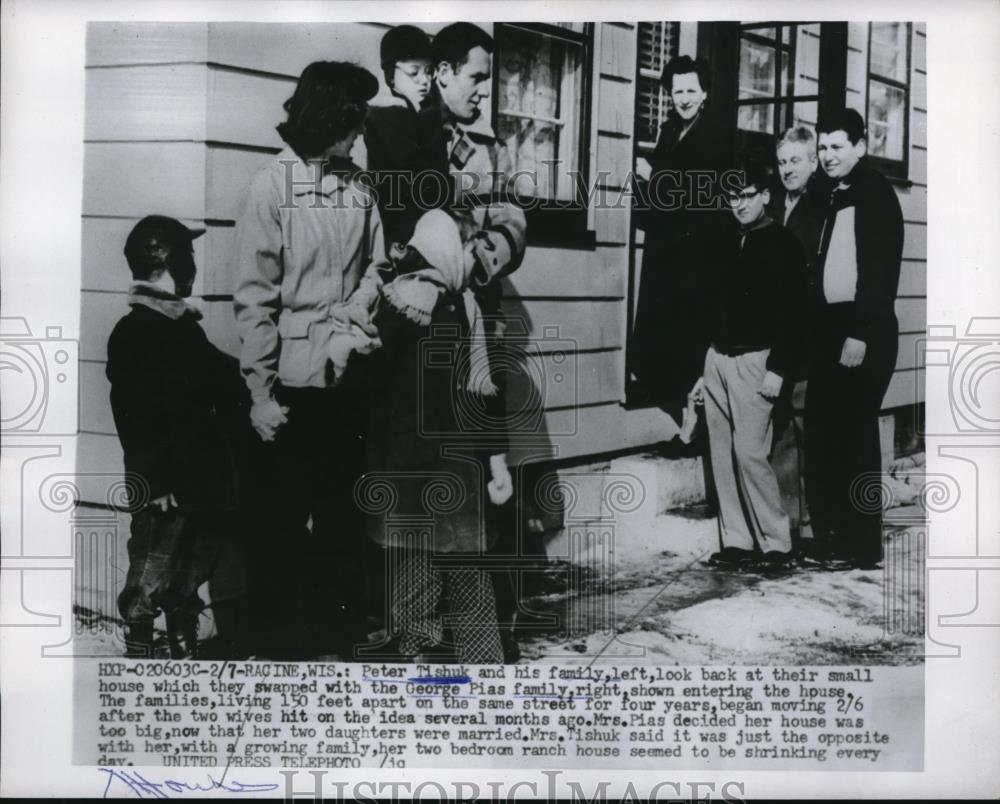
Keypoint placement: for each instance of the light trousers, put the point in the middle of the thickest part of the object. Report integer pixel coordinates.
(740, 429)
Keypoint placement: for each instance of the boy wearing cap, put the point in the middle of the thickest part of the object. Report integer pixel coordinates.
(755, 342)
(175, 400)
(405, 141)
(308, 241)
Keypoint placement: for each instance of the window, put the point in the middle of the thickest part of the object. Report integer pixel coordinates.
(889, 96)
(657, 46)
(540, 87)
(778, 79)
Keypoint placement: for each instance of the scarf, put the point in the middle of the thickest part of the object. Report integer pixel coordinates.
(415, 295)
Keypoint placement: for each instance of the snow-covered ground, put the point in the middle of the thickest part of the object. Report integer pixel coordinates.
(637, 590)
(667, 607)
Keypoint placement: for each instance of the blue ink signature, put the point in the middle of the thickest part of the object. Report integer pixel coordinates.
(143, 787)
(439, 680)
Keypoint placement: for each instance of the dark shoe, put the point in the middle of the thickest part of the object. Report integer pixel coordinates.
(730, 558)
(774, 560)
(139, 640)
(182, 636)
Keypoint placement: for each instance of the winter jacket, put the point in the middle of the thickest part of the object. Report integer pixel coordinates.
(179, 405)
(878, 237)
(307, 245)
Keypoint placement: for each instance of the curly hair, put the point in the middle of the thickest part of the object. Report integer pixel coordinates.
(330, 101)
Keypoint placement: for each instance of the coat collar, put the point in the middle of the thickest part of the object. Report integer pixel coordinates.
(764, 220)
(338, 175)
(162, 301)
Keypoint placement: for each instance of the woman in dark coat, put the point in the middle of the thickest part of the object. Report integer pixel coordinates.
(685, 226)
(436, 448)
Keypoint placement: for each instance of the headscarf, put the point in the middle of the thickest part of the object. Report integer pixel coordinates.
(415, 295)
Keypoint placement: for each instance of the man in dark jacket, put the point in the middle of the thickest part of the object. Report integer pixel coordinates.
(756, 335)
(854, 293)
(798, 204)
(177, 402)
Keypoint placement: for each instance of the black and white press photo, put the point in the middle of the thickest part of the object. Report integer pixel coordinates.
(548, 395)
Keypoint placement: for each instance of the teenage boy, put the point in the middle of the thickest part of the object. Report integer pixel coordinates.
(856, 342)
(756, 334)
(175, 400)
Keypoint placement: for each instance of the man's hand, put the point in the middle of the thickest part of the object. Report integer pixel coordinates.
(501, 486)
(267, 417)
(770, 386)
(853, 353)
(697, 393)
(165, 502)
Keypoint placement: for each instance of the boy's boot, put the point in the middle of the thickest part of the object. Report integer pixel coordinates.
(182, 635)
(139, 639)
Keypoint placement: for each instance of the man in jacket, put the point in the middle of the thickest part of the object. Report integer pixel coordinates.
(798, 205)
(857, 276)
(484, 201)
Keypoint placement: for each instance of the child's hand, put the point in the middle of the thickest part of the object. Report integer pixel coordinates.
(267, 417)
(697, 392)
(770, 386)
(164, 502)
(501, 486)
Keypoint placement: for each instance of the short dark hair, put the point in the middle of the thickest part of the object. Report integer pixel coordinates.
(753, 170)
(454, 42)
(847, 120)
(329, 102)
(682, 65)
(403, 43)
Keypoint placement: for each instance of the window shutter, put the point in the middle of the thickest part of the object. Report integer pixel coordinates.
(657, 45)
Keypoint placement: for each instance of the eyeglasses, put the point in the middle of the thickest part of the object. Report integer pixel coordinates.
(740, 197)
(414, 71)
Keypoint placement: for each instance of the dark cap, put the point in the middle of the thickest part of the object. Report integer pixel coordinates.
(403, 43)
(170, 230)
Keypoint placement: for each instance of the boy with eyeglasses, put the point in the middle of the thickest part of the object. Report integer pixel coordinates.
(405, 142)
(756, 336)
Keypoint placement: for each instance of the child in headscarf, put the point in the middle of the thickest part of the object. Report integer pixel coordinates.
(436, 436)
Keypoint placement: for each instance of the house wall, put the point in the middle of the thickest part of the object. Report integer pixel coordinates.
(907, 384)
(180, 116)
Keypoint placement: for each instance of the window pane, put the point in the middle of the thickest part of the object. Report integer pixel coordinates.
(757, 70)
(886, 120)
(756, 117)
(766, 32)
(786, 78)
(539, 109)
(804, 113)
(533, 146)
(888, 52)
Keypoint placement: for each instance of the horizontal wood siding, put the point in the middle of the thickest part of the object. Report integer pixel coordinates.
(911, 305)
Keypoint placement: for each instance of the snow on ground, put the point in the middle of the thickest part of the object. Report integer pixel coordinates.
(670, 608)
